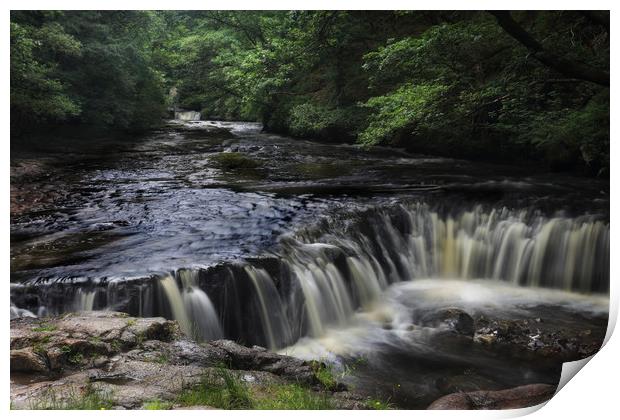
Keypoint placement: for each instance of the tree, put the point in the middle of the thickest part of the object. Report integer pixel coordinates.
(562, 65)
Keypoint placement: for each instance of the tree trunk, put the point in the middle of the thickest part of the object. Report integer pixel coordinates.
(564, 66)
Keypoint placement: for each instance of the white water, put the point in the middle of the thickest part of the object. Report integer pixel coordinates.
(84, 300)
(501, 245)
(200, 311)
(337, 274)
(344, 276)
(274, 321)
(187, 115)
(392, 321)
(191, 307)
(20, 313)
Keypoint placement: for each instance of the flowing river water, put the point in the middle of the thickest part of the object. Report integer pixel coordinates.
(322, 251)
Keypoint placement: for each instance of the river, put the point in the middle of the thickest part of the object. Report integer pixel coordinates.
(322, 251)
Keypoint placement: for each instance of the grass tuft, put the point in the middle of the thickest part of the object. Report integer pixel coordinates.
(86, 399)
(293, 397)
(376, 404)
(157, 405)
(325, 375)
(225, 392)
(44, 328)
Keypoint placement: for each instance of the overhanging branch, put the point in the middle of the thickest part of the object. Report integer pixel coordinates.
(564, 66)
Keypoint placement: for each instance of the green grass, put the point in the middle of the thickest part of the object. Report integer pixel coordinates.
(376, 404)
(44, 328)
(220, 391)
(76, 358)
(224, 390)
(116, 345)
(157, 405)
(39, 345)
(293, 397)
(86, 399)
(325, 375)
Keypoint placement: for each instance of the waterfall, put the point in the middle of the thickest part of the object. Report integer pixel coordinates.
(187, 115)
(20, 313)
(319, 278)
(202, 317)
(175, 300)
(85, 300)
(342, 271)
(191, 307)
(275, 324)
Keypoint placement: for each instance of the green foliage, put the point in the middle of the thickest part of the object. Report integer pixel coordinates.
(36, 94)
(568, 134)
(376, 404)
(43, 327)
(325, 375)
(413, 106)
(443, 82)
(293, 397)
(220, 391)
(85, 67)
(321, 121)
(76, 399)
(157, 405)
(224, 390)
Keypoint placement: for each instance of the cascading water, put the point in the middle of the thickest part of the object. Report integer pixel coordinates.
(187, 115)
(274, 321)
(85, 300)
(323, 278)
(191, 307)
(344, 272)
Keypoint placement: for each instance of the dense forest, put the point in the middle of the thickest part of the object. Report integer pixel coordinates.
(530, 87)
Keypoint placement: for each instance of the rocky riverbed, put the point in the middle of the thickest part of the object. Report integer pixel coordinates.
(113, 361)
(116, 361)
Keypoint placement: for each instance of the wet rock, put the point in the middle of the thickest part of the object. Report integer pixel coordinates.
(519, 397)
(26, 360)
(81, 339)
(258, 358)
(486, 339)
(349, 400)
(525, 337)
(452, 319)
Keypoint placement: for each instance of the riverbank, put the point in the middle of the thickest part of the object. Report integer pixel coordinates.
(109, 360)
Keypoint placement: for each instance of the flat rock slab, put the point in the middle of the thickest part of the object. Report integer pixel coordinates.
(132, 361)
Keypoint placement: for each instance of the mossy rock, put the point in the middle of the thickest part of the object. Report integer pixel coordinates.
(233, 161)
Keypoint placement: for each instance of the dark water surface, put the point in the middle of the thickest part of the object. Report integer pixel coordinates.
(129, 208)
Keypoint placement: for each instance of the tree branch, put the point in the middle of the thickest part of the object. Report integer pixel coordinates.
(564, 66)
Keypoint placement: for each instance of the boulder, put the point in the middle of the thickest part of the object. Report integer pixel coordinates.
(519, 397)
(259, 358)
(27, 360)
(451, 319)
